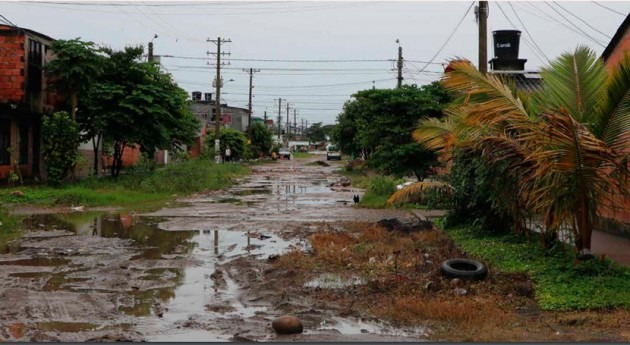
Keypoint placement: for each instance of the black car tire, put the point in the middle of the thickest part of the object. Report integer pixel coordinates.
(464, 269)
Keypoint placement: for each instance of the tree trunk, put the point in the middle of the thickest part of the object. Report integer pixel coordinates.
(96, 141)
(119, 148)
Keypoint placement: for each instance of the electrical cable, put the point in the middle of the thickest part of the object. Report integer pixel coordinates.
(534, 49)
(608, 8)
(582, 20)
(527, 31)
(535, 10)
(577, 27)
(449, 37)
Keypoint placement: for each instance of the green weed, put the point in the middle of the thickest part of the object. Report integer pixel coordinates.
(561, 284)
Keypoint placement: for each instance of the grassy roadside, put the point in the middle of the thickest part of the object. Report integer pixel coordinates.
(138, 189)
(148, 187)
(559, 283)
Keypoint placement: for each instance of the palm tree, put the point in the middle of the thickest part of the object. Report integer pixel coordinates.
(567, 145)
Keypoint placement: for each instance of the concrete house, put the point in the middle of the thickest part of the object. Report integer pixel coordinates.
(204, 110)
(24, 98)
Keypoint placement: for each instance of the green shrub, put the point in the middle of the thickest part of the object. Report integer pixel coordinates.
(60, 140)
(560, 283)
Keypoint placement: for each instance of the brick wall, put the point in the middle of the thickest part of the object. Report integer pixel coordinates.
(11, 65)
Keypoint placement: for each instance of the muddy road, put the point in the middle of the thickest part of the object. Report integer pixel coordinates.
(200, 270)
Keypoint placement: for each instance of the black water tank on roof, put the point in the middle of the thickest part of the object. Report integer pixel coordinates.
(506, 44)
(196, 96)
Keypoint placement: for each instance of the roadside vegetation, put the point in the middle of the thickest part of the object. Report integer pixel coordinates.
(142, 185)
(559, 283)
(558, 154)
(395, 276)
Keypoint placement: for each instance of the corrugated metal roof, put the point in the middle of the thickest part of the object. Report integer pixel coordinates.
(528, 81)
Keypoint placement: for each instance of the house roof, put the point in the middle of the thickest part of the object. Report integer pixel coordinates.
(528, 81)
(616, 39)
(29, 31)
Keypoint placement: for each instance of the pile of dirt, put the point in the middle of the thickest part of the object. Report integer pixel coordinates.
(407, 226)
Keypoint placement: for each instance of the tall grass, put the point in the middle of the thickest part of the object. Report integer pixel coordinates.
(379, 190)
(136, 187)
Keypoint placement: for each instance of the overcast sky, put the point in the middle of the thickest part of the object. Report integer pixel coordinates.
(316, 31)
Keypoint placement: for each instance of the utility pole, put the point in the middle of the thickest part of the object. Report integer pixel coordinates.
(400, 65)
(482, 16)
(295, 121)
(218, 82)
(249, 107)
(302, 134)
(279, 118)
(265, 118)
(288, 126)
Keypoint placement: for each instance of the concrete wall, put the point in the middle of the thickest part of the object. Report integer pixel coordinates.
(618, 219)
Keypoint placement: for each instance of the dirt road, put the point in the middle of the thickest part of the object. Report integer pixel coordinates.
(196, 271)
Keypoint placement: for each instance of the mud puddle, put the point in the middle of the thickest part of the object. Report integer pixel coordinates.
(193, 272)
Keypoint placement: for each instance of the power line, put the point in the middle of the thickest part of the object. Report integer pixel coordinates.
(84, 7)
(536, 10)
(534, 49)
(449, 37)
(577, 27)
(284, 69)
(582, 20)
(608, 8)
(282, 60)
(527, 31)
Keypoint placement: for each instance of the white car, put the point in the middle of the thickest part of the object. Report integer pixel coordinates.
(285, 154)
(333, 153)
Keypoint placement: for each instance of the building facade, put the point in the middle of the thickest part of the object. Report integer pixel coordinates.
(24, 98)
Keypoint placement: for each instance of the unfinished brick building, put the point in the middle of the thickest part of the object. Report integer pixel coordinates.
(23, 99)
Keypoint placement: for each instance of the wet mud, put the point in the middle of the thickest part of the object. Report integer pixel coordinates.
(197, 272)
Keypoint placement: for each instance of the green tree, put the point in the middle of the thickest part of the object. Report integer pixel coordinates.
(74, 69)
(565, 146)
(76, 66)
(261, 140)
(60, 141)
(232, 138)
(318, 132)
(136, 103)
(378, 124)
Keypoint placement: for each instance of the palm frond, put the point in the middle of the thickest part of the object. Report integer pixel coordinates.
(612, 124)
(574, 82)
(418, 189)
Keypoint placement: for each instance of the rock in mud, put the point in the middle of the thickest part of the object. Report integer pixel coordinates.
(287, 324)
(456, 282)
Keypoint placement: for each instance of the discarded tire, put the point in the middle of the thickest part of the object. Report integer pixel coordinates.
(464, 269)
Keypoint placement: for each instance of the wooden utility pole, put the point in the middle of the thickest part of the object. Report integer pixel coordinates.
(295, 121)
(249, 107)
(279, 118)
(400, 65)
(288, 126)
(218, 84)
(483, 36)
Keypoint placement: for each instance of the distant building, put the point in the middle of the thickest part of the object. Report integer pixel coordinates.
(231, 117)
